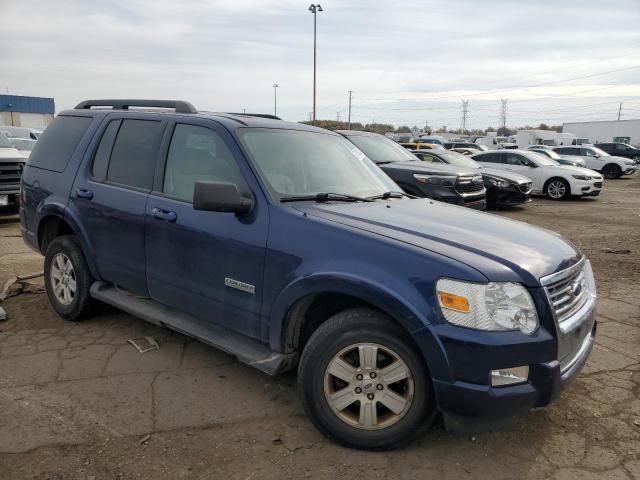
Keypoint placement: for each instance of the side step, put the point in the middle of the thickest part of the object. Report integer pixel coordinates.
(246, 349)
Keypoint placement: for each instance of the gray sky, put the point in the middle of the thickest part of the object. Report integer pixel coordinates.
(406, 61)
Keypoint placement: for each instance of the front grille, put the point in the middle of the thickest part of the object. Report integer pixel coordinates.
(568, 295)
(598, 184)
(525, 187)
(466, 185)
(10, 173)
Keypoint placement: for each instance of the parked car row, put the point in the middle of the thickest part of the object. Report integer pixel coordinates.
(286, 246)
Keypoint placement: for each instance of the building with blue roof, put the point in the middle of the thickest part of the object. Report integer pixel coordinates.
(23, 111)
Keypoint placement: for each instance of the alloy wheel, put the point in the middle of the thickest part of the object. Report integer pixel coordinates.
(556, 189)
(368, 386)
(63, 279)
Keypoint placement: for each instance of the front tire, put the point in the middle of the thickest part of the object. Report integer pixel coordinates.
(362, 382)
(67, 279)
(557, 189)
(611, 171)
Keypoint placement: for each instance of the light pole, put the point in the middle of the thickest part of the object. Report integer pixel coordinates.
(275, 99)
(314, 9)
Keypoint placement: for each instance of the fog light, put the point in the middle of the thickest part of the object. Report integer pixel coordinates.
(509, 376)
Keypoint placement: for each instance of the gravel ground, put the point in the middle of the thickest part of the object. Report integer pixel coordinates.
(78, 402)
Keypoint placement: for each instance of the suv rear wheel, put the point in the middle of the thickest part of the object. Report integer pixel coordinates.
(363, 384)
(611, 171)
(67, 278)
(557, 189)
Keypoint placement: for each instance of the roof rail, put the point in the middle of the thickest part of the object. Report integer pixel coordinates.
(179, 105)
(262, 115)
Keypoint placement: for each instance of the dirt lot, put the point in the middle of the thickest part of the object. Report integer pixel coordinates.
(78, 402)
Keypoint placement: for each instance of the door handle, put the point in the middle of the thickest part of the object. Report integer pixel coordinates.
(164, 215)
(84, 193)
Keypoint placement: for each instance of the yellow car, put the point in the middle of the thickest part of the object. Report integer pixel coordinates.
(419, 146)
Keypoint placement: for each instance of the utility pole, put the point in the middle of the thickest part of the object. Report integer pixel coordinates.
(465, 113)
(503, 112)
(314, 9)
(350, 109)
(426, 127)
(619, 110)
(275, 98)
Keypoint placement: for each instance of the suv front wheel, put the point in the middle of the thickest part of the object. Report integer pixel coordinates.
(67, 278)
(362, 382)
(611, 171)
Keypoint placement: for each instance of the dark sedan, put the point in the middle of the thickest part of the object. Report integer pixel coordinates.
(447, 183)
(618, 149)
(504, 189)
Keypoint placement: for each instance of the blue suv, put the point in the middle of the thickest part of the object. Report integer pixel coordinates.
(284, 245)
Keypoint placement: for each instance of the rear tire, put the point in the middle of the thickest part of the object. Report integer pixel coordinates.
(67, 279)
(557, 189)
(362, 382)
(611, 171)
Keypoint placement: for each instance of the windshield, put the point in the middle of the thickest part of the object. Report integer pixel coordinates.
(549, 153)
(296, 162)
(540, 158)
(4, 141)
(602, 153)
(23, 143)
(459, 160)
(381, 149)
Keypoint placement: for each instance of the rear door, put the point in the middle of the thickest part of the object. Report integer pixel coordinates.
(110, 195)
(207, 264)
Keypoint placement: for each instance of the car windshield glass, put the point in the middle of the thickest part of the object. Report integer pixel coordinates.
(600, 152)
(4, 142)
(296, 162)
(23, 143)
(540, 159)
(381, 149)
(458, 160)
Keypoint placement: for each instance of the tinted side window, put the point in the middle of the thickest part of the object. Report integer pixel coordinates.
(58, 142)
(103, 152)
(585, 152)
(134, 153)
(565, 151)
(489, 158)
(197, 153)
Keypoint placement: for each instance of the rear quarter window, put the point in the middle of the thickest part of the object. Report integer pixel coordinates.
(55, 147)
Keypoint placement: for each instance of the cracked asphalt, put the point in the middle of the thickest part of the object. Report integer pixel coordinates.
(78, 402)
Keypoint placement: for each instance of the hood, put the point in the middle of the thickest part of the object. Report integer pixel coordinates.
(575, 170)
(504, 175)
(12, 154)
(499, 248)
(428, 168)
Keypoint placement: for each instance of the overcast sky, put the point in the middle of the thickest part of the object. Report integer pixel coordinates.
(407, 62)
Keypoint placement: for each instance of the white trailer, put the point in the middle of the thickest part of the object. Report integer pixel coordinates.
(625, 131)
(526, 138)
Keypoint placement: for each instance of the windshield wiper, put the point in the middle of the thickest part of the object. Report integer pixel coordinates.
(324, 197)
(386, 195)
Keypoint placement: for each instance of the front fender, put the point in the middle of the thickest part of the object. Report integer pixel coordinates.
(347, 284)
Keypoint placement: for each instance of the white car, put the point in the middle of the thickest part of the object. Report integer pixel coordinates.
(548, 176)
(601, 161)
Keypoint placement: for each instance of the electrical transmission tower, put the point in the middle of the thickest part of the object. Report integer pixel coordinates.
(503, 112)
(465, 115)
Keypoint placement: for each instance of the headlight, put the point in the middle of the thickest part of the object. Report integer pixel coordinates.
(435, 179)
(581, 177)
(497, 183)
(487, 306)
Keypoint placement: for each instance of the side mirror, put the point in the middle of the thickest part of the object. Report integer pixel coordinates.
(220, 197)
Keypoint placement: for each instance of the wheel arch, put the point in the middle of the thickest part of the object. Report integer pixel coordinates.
(556, 177)
(305, 304)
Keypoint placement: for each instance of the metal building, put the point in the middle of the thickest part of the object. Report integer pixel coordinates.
(21, 111)
(626, 131)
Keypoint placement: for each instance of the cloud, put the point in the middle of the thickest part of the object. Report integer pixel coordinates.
(404, 60)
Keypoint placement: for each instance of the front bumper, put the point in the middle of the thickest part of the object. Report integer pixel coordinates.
(587, 188)
(506, 198)
(630, 170)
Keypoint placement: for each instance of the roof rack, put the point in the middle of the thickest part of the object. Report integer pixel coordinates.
(179, 105)
(262, 115)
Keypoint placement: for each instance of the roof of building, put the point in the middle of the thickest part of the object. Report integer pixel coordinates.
(22, 104)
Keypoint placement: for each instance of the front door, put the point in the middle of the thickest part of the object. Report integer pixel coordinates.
(110, 196)
(207, 264)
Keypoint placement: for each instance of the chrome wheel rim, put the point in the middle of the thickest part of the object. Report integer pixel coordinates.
(63, 279)
(368, 386)
(556, 189)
